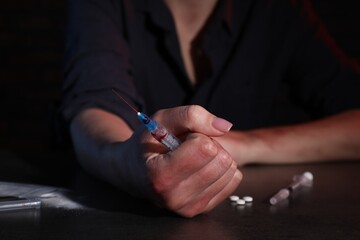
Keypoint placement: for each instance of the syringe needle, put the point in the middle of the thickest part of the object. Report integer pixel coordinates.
(159, 132)
(117, 94)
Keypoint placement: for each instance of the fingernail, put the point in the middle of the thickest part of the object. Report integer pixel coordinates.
(221, 124)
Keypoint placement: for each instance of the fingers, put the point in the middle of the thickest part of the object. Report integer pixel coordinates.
(195, 177)
(167, 171)
(199, 174)
(183, 120)
(192, 118)
(212, 196)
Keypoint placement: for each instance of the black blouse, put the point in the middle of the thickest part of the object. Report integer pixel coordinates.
(264, 63)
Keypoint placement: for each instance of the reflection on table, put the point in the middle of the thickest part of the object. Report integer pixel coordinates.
(328, 210)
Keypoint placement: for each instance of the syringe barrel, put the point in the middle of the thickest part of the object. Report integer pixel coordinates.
(280, 196)
(159, 132)
(165, 137)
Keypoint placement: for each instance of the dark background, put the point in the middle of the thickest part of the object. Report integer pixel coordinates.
(31, 58)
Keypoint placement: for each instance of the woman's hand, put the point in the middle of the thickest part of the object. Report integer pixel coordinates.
(190, 180)
(199, 174)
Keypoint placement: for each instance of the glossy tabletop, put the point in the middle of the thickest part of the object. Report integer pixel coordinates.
(329, 209)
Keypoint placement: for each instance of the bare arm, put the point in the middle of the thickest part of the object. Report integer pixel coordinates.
(190, 180)
(333, 138)
(93, 132)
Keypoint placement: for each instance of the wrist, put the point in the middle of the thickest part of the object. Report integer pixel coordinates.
(245, 147)
(127, 167)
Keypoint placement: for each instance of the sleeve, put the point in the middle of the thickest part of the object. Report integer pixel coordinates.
(97, 60)
(322, 76)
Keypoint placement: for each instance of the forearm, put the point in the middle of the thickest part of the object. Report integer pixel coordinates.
(192, 179)
(94, 134)
(333, 138)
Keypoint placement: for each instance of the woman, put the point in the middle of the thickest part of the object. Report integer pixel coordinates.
(254, 63)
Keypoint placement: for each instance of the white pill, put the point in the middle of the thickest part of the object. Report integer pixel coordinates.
(240, 202)
(234, 198)
(247, 199)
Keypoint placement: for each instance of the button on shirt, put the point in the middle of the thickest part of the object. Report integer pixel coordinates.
(261, 63)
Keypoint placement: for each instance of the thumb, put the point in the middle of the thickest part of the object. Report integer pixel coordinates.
(192, 118)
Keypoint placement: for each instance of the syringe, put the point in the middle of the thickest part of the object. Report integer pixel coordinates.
(299, 181)
(159, 132)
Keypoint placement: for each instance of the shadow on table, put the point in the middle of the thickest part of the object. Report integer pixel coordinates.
(98, 195)
(75, 185)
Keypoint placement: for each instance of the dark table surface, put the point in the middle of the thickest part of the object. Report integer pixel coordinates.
(330, 209)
